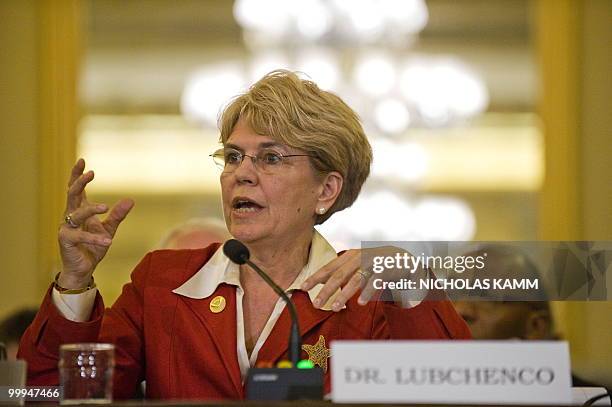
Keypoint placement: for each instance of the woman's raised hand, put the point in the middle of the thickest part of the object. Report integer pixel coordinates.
(83, 238)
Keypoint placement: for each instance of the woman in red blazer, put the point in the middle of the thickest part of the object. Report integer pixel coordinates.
(190, 322)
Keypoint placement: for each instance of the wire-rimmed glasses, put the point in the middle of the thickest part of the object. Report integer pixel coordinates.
(266, 160)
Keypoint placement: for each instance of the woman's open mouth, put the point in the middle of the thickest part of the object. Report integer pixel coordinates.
(245, 205)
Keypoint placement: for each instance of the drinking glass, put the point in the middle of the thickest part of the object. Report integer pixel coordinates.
(86, 372)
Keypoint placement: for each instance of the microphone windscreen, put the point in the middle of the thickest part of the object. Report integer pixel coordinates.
(236, 251)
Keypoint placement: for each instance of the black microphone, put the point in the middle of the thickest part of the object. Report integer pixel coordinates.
(239, 254)
(278, 383)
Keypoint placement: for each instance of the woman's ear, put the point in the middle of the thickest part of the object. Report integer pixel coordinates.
(331, 185)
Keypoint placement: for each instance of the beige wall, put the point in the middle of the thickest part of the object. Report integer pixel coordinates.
(590, 325)
(18, 155)
(576, 201)
(39, 47)
(596, 120)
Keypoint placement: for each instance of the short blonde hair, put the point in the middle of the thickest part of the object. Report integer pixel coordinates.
(297, 113)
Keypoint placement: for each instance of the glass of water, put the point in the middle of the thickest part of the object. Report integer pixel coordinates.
(86, 372)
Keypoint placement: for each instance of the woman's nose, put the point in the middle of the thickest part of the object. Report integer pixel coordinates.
(246, 172)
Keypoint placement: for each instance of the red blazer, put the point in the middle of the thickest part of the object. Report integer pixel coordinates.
(184, 351)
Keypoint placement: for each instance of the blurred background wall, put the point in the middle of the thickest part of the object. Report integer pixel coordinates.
(490, 121)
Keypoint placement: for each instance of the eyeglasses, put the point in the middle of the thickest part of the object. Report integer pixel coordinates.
(266, 160)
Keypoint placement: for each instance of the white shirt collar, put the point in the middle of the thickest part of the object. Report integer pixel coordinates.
(219, 269)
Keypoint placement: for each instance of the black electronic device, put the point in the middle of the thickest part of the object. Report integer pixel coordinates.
(284, 384)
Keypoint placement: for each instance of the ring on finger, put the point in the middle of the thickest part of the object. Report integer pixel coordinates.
(70, 222)
(364, 274)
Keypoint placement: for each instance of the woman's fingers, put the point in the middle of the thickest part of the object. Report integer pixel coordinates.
(76, 190)
(356, 282)
(82, 214)
(329, 288)
(70, 237)
(323, 274)
(117, 215)
(77, 171)
(344, 273)
(334, 275)
(328, 270)
(367, 293)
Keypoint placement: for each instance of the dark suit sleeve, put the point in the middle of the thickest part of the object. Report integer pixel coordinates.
(121, 325)
(434, 318)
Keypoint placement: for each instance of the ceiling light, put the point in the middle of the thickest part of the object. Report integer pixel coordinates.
(209, 89)
(392, 115)
(375, 74)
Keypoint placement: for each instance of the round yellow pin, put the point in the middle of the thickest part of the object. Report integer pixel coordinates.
(217, 304)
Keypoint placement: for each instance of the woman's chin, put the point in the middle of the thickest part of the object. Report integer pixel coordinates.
(246, 235)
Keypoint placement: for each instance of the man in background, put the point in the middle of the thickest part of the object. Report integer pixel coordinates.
(11, 329)
(525, 320)
(195, 233)
(508, 317)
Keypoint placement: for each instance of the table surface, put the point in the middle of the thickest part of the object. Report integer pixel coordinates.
(308, 403)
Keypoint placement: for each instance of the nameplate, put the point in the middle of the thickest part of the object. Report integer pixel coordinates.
(485, 372)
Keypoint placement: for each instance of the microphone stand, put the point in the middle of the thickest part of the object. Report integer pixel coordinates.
(278, 383)
(295, 340)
